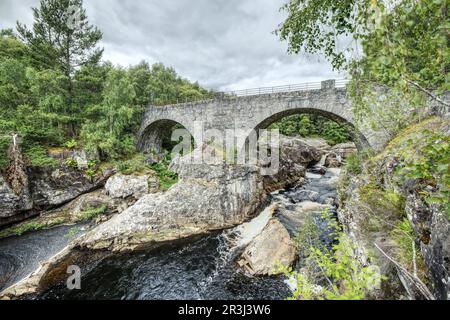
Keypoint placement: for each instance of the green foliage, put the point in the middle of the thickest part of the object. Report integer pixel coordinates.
(136, 164)
(4, 145)
(107, 129)
(313, 26)
(165, 86)
(92, 168)
(330, 273)
(335, 133)
(314, 226)
(405, 52)
(428, 163)
(71, 163)
(92, 213)
(382, 203)
(313, 125)
(353, 164)
(71, 144)
(167, 177)
(90, 173)
(405, 56)
(406, 250)
(39, 157)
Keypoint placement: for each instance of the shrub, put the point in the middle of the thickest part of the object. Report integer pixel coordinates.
(90, 173)
(135, 164)
(329, 270)
(426, 160)
(383, 203)
(335, 133)
(167, 177)
(346, 278)
(39, 157)
(72, 144)
(72, 163)
(353, 164)
(4, 145)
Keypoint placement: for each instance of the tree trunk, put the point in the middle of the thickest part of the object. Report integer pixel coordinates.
(15, 175)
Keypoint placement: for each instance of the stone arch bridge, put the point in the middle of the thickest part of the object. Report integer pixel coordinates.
(252, 110)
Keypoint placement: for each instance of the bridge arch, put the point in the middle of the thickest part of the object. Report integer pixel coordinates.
(156, 135)
(357, 137)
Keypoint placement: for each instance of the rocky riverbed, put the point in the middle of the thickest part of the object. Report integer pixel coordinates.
(179, 222)
(238, 263)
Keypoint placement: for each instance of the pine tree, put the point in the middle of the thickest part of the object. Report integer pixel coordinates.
(62, 39)
(61, 36)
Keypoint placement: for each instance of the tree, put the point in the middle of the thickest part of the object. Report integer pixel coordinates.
(141, 75)
(108, 128)
(314, 26)
(62, 39)
(404, 44)
(166, 86)
(61, 36)
(406, 59)
(12, 48)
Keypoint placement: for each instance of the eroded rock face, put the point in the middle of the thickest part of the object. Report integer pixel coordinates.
(431, 226)
(54, 187)
(433, 230)
(206, 198)
(11, 203)
(267, 250)
(47, 189)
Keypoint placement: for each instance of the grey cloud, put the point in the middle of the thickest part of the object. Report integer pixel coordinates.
(224, 44)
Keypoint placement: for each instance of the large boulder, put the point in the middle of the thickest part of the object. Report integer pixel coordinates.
(124, 186)
(207, 197)
(338, 153)
(273, 246)
(295, 156)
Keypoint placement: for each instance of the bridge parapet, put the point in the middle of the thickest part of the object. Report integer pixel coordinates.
(265, 91)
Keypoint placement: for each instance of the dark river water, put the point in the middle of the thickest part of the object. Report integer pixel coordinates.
(200, 269)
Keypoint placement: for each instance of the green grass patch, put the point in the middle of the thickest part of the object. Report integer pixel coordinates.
(406, 249)
(92, 213)
(29, 227)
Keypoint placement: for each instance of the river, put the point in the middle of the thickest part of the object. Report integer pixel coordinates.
(201, 269)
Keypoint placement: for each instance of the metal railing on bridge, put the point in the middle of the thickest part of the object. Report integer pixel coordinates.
(340, 83)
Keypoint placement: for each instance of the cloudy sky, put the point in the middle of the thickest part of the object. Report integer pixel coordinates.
(223, 44)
